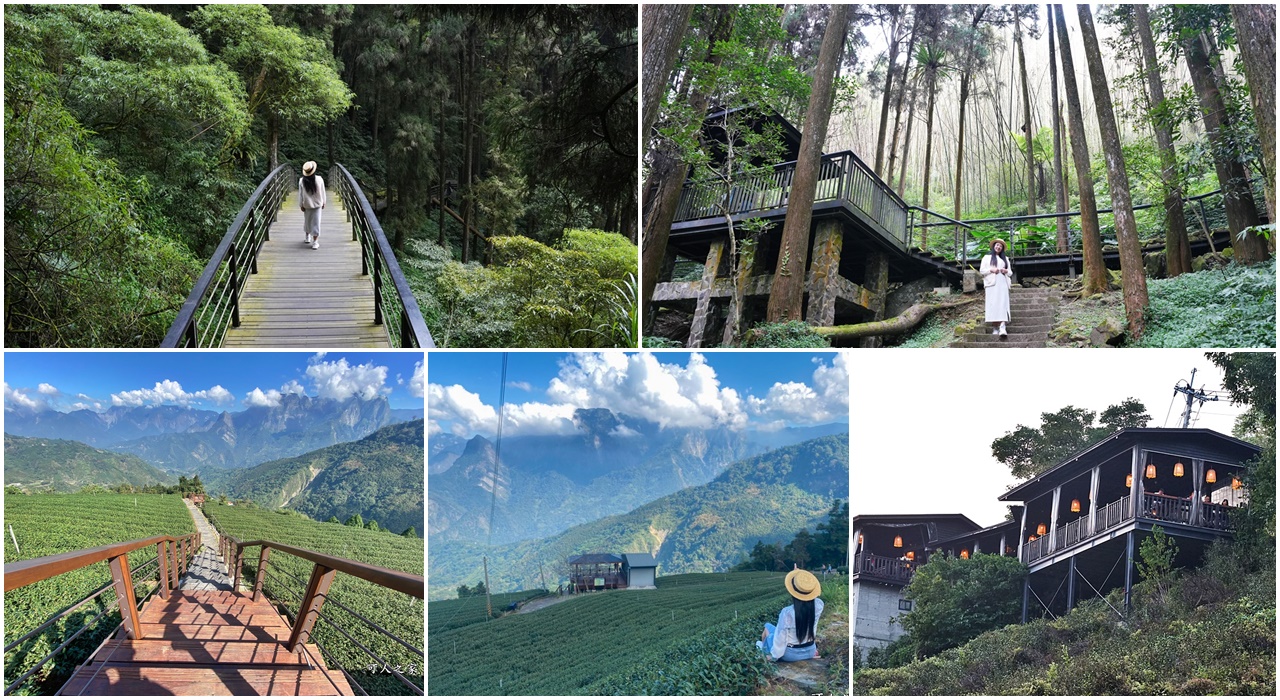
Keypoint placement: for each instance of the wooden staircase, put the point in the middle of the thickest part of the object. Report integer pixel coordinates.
(1032, 311)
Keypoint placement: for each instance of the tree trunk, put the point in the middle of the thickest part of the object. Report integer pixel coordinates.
(1237, 197)
(664, 29)
(1133, 273)
(273, 142)
(1177, 248)
(895, 44)
(1256, 34)
(965, 76)
(666, 176)
(440, 152)
(906, 140)
(1095, 270)
(891, 326)
(928, 153)
(787, 295)
(897, 110)
(1028, 129)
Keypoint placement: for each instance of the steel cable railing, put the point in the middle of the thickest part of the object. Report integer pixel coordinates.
(214, 303)
(394, 304)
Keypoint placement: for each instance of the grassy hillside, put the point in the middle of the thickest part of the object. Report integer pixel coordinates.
(1210, 632)
(699, 529)
(695, 634)
(451, 614)
(54, 524)
(380, 477)
(36, 464)
(396, 612)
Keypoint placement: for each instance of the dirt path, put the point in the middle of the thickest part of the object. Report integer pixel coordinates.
(540, 603)
(207, 571)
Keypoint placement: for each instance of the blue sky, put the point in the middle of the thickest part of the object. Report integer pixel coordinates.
(741, 390)
(224, 381)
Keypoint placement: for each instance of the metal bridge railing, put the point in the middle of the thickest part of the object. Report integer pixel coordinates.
(394, 303)
(214, 303)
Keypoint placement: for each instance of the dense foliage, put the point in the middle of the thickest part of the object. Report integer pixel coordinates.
(695, 634)
(132, 137)
(54, 524)
(287, 577)
(1029, 451)
(378, 477)
(1233, 307)
(957, 599)
(37, 464)
(827, 546)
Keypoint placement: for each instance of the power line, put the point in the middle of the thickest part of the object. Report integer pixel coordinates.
(1193, 395)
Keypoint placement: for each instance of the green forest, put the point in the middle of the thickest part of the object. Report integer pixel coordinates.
(1138, 139)
(494, 143)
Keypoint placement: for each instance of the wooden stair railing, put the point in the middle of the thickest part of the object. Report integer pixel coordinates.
(173, 554)
(325, 567)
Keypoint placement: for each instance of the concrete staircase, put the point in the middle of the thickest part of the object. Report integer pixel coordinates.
(1033, 312)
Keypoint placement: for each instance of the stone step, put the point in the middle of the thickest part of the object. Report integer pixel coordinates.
(1006, 344)
(1017, 327)
(1032, 306)
(989, 339)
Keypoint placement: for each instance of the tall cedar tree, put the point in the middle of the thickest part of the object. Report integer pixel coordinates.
(897, 14)
(1176, 246)
(667, 173)
(902, 94)
(1256, 37)
(1059, 181)
(664, 30)
(787, 294)
(1095, 271)
(1237, 197)
(966, 76)
(1028, 129)
(1133, 273)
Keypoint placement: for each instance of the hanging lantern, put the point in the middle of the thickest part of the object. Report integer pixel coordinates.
(964, 554)
(1031, 538)
(859, 539)
(897, 541)
(911, 556)
(1075, 505)
(1128, 481)
(1151, 471)
(1178, 469)
(1211, 476)
(1041, 529)
(1236, 483)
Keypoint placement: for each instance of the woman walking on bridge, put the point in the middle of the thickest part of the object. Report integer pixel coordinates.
(794, 638)
(997, 278)
(311, 197)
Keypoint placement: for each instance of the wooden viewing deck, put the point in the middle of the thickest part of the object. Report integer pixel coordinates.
(308, 298)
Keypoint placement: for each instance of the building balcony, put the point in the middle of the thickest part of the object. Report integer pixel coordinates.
(1155, 509)
(883, 569)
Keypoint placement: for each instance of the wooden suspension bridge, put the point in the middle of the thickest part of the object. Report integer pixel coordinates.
(198, 632)
(266, 287)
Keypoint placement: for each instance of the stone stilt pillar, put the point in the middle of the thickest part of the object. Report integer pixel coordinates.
(824, 273)
(877, 284)
(703, 309)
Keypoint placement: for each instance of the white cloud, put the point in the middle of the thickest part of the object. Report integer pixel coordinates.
(417, 384)
(522, 386)
(464, 409)
(825, 400)
(13, 397)
(340, 380)
(293, 387)
(433, 427)
(267, 399)
(623, 431)
(80, 406)
(47, 389)
(169, 391)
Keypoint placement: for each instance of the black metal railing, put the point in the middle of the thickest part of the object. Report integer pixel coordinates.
(394, 304)
(214, 303)
(842, 177)
(889, 568)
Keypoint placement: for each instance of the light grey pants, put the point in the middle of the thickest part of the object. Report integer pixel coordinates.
(311, 222)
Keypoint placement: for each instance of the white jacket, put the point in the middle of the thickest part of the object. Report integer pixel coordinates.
(990, 276)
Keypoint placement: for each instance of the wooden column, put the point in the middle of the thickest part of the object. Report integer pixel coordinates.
(172, 554)
(824, 273)
(1071, 583)
(877, 285)
(1197, 494)
(262, 571)
(123, 580)
(1135, 489)
(1053, 519)
(1128, 572)
(1022, 534)
(238, 558)
(698, 330)
(309, 609)
(1095, 479)
(162, 559)
(1026, 591)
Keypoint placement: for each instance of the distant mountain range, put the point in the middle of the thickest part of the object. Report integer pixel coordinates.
(186, 441)
(37, 464)
(379, 477)
(708, 527)
(547, 484)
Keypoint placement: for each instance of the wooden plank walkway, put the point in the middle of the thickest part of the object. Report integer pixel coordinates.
(304, 298)
(206, 639)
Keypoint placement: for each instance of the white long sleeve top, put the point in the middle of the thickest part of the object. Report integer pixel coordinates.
(786, 632)
(308, 201)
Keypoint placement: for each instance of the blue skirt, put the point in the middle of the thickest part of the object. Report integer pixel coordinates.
(792, 653)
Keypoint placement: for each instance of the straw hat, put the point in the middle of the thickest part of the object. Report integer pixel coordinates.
(803, 585)
(309, 167)
(1004, 247)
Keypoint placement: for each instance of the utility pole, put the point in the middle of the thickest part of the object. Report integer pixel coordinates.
(488, 596)
(1192, 395)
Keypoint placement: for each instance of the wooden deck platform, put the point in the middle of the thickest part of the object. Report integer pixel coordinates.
(304, 298)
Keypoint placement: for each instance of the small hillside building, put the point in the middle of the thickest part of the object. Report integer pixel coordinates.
(641, 570)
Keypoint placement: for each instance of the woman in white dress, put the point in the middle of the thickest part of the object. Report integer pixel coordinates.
(997, 278)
